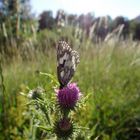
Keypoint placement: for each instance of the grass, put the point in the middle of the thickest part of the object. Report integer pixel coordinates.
(109, 74)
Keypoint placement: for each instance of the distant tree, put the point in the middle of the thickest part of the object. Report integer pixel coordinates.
(86, 21)
(120, 20)
(46, 20)
(14, 7)
(135, 30)
(25, 10)
(72, 19)
(13, 12)
(102, 28)
(61, 18)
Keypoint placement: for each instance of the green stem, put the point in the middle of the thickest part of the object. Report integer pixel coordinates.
(66, 113)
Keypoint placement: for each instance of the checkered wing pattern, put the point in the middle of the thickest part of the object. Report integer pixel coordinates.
(67, 60)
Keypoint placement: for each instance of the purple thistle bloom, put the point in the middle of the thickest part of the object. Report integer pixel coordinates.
(68, 96)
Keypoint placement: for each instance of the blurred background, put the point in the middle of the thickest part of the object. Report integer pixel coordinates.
(105, 33)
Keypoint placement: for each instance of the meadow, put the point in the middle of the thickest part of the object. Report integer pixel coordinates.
(108, 76)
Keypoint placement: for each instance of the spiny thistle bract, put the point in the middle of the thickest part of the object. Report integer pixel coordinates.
(63, 128)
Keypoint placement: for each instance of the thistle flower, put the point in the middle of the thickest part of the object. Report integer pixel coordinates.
(68, 96)
(63, 128)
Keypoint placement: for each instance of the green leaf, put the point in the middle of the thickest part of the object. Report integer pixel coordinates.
(44, 128)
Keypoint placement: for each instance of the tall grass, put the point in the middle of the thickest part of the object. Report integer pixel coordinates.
(108, 73)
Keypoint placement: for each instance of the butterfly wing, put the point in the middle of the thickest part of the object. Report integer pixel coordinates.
(67, 61)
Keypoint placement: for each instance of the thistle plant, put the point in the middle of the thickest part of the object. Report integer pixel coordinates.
(67, 98)
(68, 93)
(51, 106)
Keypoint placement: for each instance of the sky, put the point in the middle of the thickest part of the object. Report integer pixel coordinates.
(127, 8)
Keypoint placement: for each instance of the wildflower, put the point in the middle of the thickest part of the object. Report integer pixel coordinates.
(63, 128)
(68, 96)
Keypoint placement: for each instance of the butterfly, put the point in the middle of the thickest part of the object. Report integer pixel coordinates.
(67, 60)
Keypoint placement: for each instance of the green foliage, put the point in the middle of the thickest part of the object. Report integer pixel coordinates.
(2, 99)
